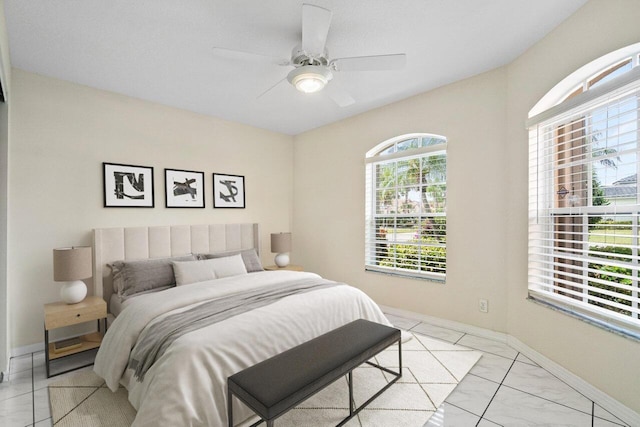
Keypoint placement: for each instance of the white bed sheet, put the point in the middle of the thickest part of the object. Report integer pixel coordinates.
(117, 304)
(187, 385)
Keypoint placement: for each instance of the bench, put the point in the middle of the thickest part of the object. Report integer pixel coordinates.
(272, 387)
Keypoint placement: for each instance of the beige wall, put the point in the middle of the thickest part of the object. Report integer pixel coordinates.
(609, 362)
(329, 199)
(484, 120)
(5, 75)
(61, 134)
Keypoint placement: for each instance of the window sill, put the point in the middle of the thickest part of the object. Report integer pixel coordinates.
(592, 320)
(415, 276)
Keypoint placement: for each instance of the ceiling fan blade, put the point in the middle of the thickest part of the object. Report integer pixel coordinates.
(370, 63)
(278, 83)
(315, 28)
(242, 55)
(338, 94)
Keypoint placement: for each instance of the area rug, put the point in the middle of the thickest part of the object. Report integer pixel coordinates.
(431, 370)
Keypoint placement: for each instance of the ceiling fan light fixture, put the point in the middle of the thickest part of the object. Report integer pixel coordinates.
(310, 78)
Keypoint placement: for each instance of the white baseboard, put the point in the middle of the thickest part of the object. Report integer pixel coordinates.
(27, 349)
(449, 324)
(607, 402)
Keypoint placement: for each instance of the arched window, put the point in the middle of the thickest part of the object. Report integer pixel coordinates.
(405, 214)
(584, 201)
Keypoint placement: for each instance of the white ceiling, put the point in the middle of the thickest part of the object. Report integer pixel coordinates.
(162, 50)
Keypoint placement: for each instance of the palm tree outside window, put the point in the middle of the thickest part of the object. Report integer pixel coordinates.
(406, 207)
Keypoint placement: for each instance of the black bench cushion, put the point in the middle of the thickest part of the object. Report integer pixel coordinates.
(281, 382)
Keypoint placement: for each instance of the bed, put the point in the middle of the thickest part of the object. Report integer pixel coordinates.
(228, 323)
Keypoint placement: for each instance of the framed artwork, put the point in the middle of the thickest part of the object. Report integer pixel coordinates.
(228, 191)
(184, 189)
(127, 186)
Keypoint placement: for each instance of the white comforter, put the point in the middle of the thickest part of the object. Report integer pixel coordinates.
(187, 385)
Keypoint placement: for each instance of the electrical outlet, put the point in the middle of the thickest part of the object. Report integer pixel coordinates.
(483, 305)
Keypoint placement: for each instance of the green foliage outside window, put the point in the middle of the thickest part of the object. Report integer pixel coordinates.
(604, 273)
(410, 256)
(409, 207)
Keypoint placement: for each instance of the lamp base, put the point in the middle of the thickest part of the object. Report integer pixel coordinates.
(282, 260)
(73, 292)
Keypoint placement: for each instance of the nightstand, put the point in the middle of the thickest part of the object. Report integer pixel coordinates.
(60, 314)
(290, 267)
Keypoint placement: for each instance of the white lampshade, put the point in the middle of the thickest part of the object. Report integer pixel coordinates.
(281, 244)
(71, 265)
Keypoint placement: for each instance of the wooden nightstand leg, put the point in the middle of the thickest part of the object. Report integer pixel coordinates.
(46, 351)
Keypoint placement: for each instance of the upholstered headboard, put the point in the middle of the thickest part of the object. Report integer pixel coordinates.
(135, 243)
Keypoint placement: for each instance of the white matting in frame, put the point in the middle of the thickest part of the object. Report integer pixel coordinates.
(127, 186)
(228, 191)
(184, 189)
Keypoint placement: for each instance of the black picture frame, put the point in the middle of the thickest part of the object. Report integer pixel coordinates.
(127, 186)
(228, 191)
(184, 188)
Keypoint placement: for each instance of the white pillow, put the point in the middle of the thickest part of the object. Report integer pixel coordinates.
(193, 271)
(228, 266)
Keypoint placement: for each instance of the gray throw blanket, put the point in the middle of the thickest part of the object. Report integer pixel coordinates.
(155, 339)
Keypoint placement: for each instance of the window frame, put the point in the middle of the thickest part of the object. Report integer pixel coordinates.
(376, 156)
(572, 286)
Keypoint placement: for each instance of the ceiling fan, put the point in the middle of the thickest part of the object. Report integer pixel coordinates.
(313, 69)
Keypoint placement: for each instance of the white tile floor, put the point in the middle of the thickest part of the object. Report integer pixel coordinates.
(24, 397)
(503, 389)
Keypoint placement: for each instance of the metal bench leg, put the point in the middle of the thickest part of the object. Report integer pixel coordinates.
(350, 380)
(400, 357)
(230, 406)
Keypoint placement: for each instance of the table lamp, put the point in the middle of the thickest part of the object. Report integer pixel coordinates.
(71, 265)
(281, 244)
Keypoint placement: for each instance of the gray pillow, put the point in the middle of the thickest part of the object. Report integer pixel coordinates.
(249, 257)
(132, 277)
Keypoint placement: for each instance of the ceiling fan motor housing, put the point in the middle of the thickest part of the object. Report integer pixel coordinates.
(299, 57)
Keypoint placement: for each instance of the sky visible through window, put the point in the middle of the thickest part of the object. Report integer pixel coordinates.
(615, 134)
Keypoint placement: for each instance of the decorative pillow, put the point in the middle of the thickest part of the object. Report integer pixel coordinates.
(193, 271)
(132, 277)
(228, 266)
(249, 257)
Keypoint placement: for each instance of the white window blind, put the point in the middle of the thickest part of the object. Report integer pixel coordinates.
(584, 209)
(405, 215)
